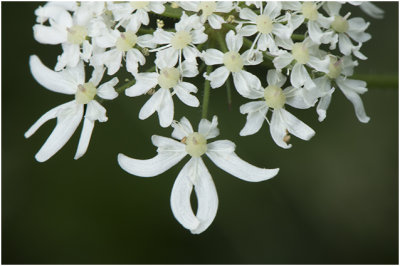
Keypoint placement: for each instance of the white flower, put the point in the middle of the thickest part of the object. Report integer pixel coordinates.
(282, 121)
(315, 21)
(166, 78)
(369, 8)
(339, 69)
(135, 13)
(348, 28)
(194, 173)
(208, 9)
(121, 44)
(189, 31)
(70, 32)
(69, 115)
(265, 25)
(303, 53)
(233, 62)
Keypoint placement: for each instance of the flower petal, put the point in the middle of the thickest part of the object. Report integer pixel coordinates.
(163, 161)
(213, 57)
(183, 90)
(296, 126)
(51, 80)
(209, 129)
(247, 84)
(233, 42)
(182, 129)
(144, 82)
(228, 161)
(84, 139)
(218, 77)
(67, 122)
(256, 115)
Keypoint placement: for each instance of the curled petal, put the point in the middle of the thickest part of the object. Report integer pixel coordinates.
(51, 80)
(209, 129)
(182, 128)
(67, 122)
(228, 161)
(84, 139)
(151, 167)
(194, 173)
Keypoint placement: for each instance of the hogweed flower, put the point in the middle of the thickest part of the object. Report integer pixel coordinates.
(194, 174)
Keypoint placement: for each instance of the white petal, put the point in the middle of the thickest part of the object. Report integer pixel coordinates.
(215, 21)
(233, 42)
(191, 53)
(299, 76)
(296, 127)
(256, 115)
(49, 35)
(166, 109)
(351, 89)
(157, 7)
(323, 105)
(46, 117)
(321, 65)
(283, 60)
(67, 122)
(107, 91)
(151, 105)
(247, 84)
(84, 139)
(207, 197)
(198, 36)
(209, 129)
(275, 78)
(273, 9)
(162, 36)
(183, 90)
(133, 58)
(182, 129)
(144, 82)
(151, 167)
(231, 163)
(248, 30)
(247, 14)
(372, 10)
(345, 45)
(50, 79)
(278, 129)
(96, 111)
(189, 69)
(218, 77)
(213, 57)
(180, 195)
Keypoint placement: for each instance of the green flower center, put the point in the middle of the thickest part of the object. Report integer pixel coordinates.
(127, 41)
(264, 24)
(139, 4)
(168, 77)
(85, 93)
(76, 34)
(335, 68)
(207, 8)
(181, 39)
(233, 62)
(309, 11)
(196, 144)
(340, 24)
(300, 53)
(274, 97)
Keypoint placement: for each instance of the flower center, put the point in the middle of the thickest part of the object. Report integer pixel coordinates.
(196, 144)
(274, 97)
(233, 62)
(127, 41)
(264, 24)
(76, 34)
(181, 39)
(207, 8)
(340, 24)
(168, 77)
(300, 53)
(85, 93)
(139, 4)
(309, 11)
(335, 68)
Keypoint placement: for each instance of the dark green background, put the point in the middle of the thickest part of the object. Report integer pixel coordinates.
(335, 199)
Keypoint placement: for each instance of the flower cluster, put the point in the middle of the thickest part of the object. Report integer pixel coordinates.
(305, 51)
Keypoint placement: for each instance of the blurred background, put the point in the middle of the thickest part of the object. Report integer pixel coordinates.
(335, 199)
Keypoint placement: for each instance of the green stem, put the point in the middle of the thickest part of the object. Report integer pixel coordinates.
(229, 93)
(206, 95)
(379, 81)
